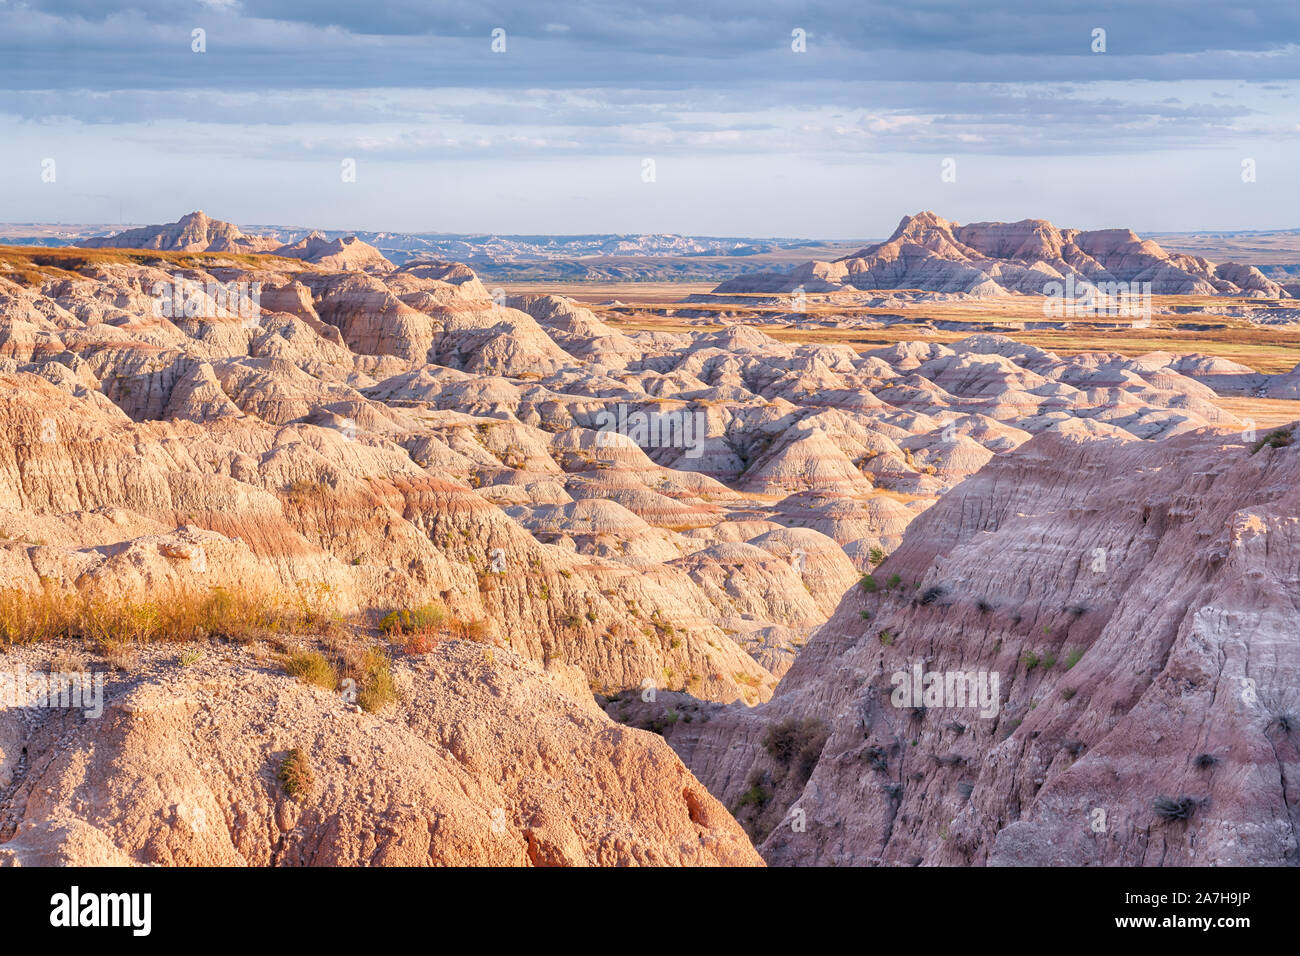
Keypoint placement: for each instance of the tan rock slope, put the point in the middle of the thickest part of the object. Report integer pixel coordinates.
(487, 760)
(931, 254)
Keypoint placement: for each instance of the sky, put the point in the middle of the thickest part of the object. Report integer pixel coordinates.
(730, 118)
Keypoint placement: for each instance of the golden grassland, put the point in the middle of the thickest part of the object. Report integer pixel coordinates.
(654, 294)
(1264, 348)
(179, 615)
(1264, 412)
(109, 622)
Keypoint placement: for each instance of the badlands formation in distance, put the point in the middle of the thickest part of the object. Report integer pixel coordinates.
(380, 563)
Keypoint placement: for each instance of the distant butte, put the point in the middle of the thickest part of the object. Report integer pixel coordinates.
(930, 254)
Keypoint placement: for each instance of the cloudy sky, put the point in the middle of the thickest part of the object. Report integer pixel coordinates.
(559, 128)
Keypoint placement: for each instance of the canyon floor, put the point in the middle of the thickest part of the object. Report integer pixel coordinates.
(402, 567)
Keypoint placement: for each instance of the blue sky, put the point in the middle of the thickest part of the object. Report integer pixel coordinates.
(747, 136)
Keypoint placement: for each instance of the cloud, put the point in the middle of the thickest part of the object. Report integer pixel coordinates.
(412, 83)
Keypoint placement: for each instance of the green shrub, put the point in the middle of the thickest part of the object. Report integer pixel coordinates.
(312, 667)
(377, 687)
(425, 617)
(295, 775)
(797, 743)
(1274, 439)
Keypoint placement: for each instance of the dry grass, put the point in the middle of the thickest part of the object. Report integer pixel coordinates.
(351, 664)
(418, 630)
(374, 677)
(1263, 348)
(312, 667)
(32, 265)
(1264, 412)
(109, 623)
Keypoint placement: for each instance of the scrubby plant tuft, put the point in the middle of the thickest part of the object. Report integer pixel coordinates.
(1175, 808)
(295, 775)
(312, 667)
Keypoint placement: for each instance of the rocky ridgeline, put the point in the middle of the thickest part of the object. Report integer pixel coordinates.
(616, 510)
(931, 254)
(197, 232)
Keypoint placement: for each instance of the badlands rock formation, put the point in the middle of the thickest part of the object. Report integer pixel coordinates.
(404, 438)
(1137, 600)
(606, 511)
(931, 254)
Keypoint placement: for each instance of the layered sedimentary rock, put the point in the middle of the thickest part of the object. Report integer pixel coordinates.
(623, 513)
(406, 436)
(1136, 600)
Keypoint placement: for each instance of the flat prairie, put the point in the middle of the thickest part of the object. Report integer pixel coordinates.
(1198, 325)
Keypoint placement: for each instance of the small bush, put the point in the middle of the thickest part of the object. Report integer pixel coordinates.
(425, 617)
(295, 775)
(1171, 808)
(893, 581)
(868, 584)
(1030, 660)
(797, 743)
(876, 556)
(931, 595)
(1073, 657)
(377, 687)
(303, 492)
(876, 758)
(1274, 439)
(755, 796)
(312, 667)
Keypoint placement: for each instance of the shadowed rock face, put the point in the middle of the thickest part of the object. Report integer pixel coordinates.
(1137, 601)
(929, 253)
